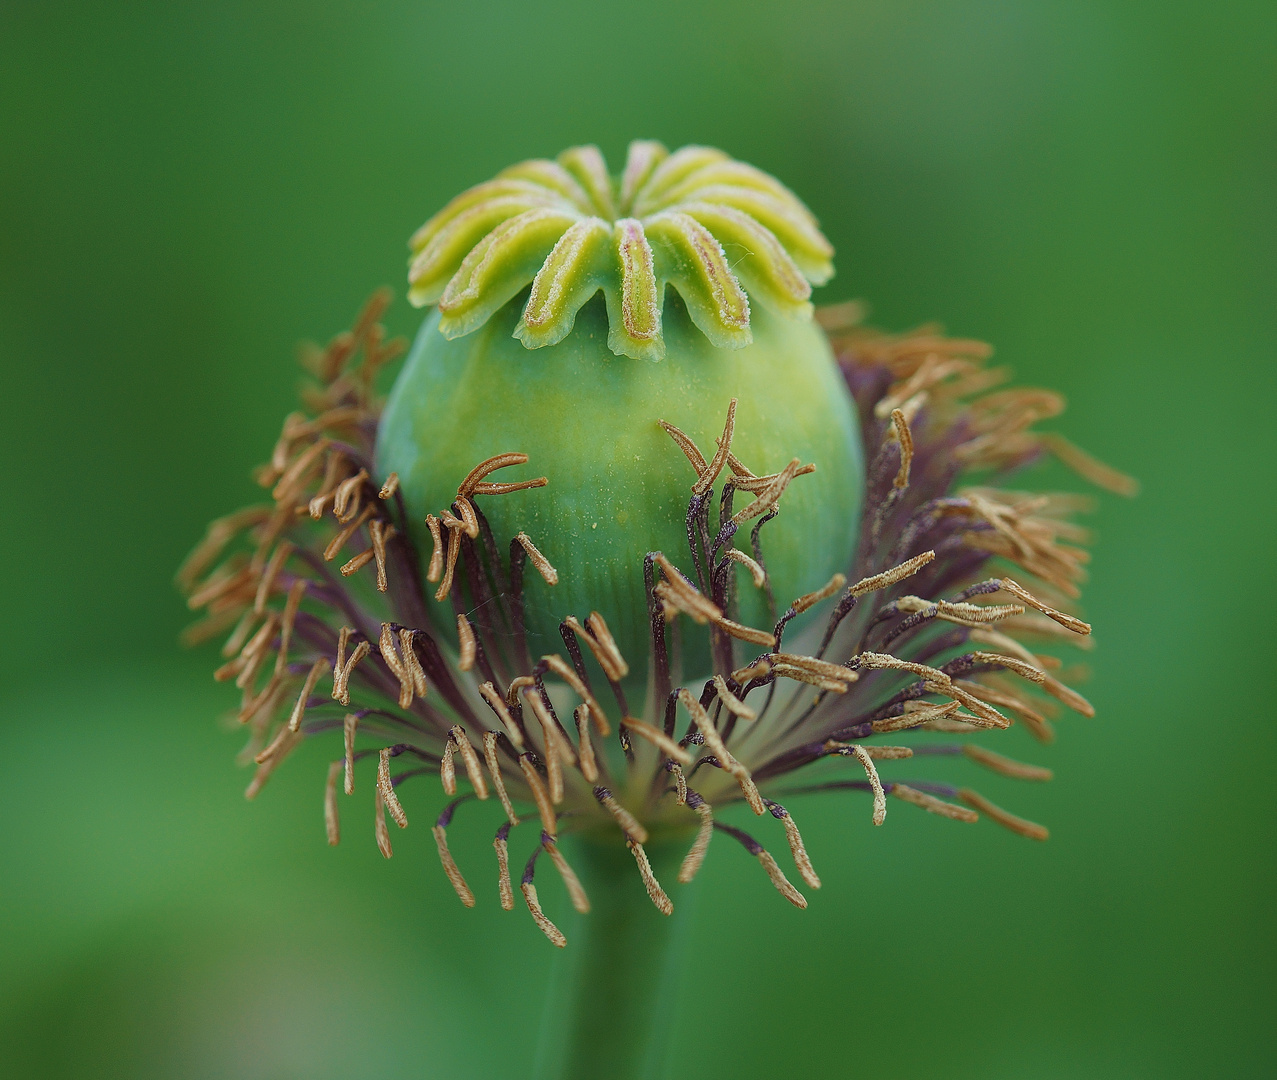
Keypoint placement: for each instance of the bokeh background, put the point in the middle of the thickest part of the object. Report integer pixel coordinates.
(189, 189)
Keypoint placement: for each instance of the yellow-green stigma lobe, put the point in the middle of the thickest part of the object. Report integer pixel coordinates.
(718, 231)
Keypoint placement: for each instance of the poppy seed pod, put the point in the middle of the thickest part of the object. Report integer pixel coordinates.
(577, 313)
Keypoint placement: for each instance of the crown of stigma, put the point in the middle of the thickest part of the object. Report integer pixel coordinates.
(717, 230)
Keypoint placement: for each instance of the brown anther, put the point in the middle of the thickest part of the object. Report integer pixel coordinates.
(1017, 770)
(985, 714)
(379, 825)
(494, 699)
(731, 702)
(576, 892)
(890, 577)
(358, 562)
(389, 487)
(318, 668)
(886, 662)
(607, 647)
(221, 582)
(218, 534)
(606, 661)
(557, 750)
(243, 628)
(778, 879)
(379, 532)
(688, 447)
(485, 468)
(295, 594)
(387, 789)
(756, 571)
(663, 903)
(567, 673)
(696, 854)
(878, 753)
(1067, 621)
(912, 718)
(506, 489)
(412, 663)
(347, 491)
(349, 725)
(450, 564)
(269, 760)
(816, 667)
(933, 805)
(1087, 467)
(435, 570)
(747, 481)
(284, 739)
(517, 685)
(294, 473)
(448, 769)
(585, 748)
(283, 550)
(1007, 820)
(680, 783)
(450, 867)
(332, 821)
(1025, 671)
(757, 670)
(539, 795)
(719, 749)
(823, 593)
(1037, 724)
(905, 437)
(630, 825)
(796, 848)
(342, 538)
(388, 648)
(538, 560)
(657, 738)
(706, 479)
(341, 679)
(547, 928)
(1068, 696)
(469, 520)
(769, 496)
(494, 770)
(880, 797)
(504, 888)
(465, 642)
(745, 633)
(470, 760)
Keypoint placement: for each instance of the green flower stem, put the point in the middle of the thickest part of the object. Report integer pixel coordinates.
(610, 1008)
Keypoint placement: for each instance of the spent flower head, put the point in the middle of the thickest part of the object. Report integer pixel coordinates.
(616, 566)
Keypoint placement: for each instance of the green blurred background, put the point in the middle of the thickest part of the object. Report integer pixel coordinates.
(188, 189)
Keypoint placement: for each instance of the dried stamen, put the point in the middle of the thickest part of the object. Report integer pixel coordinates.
(541, 563)
(466, 642)
(576, 892)
(502, 846)
(1017, 770)
(387, 790)
(585, 748)
(769, 864)
(796, 847)
(539, 795)
(696, 854)
(905, 438)
(663, 903)
(717, 747)
(349, 724)
(827, 590)
(450, 867)
(435, 570)
(933, 805)
(317, 669)
(341, 678)
(494, 770)
(629, 824)
(389, 487)
(657, 738)
(470, 759)
(1007, 820)
(880, 797)
(731, 702)
(332, 823)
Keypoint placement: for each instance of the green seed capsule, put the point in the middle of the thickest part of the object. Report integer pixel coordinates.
(523, 354)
